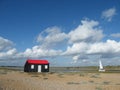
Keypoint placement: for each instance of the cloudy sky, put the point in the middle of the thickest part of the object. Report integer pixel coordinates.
(65, 32)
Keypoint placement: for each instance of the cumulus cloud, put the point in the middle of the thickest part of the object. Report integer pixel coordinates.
(5, 44)
(38, 52)
(110, 46)
(8, 54)
(76, 48)
(109, 14)
(84, 50)
(81, 57)
(83, 43)
(51, 37)
(115, 35)
(6, 48)
(87, 31)
(75, 42)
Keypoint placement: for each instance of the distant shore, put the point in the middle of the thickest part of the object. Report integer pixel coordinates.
(90, 69)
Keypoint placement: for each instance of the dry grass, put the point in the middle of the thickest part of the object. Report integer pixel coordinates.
(17, 80)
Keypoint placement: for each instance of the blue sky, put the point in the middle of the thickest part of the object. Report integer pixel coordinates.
(75, 32)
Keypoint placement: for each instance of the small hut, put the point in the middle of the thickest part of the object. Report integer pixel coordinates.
(36, 66)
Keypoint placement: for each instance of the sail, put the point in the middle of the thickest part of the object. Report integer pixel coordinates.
(100, 65)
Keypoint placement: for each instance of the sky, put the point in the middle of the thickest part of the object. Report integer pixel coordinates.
(65, 32)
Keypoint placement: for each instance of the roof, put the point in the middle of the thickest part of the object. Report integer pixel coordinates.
(37, 61)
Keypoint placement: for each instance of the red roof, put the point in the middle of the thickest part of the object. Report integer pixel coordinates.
(37, 61)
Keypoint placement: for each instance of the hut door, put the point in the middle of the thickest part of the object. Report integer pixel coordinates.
(39, 68)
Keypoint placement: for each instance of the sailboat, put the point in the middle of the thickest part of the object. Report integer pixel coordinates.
(101, 69)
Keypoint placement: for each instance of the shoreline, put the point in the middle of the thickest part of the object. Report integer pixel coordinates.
(85, 69)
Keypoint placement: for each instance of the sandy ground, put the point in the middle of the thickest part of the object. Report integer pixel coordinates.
(18, 80)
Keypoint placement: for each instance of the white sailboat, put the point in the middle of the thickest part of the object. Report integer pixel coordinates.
(101, 69)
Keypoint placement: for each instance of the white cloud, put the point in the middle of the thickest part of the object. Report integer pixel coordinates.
(76, 48)
(84, 50)
(11, 51)
(80, 56)
(5, 44)
(116, 35)
(8, 54)
(51, 37)
(76, 57)
(87, 32)
(109, 13)
(83, 43)
(6, 48)
(110, 46)
(38, 52)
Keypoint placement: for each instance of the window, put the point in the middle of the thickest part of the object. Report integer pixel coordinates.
(46, 66)
(32, 66)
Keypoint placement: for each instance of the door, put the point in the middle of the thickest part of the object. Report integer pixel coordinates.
(39, 68)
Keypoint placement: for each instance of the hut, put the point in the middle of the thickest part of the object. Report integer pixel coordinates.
(36, 66)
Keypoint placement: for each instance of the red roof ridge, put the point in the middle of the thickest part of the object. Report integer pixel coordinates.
(37, 61)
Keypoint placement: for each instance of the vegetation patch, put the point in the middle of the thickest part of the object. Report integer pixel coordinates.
(1, 88)
(3, 72)
(95, 76)
(61, 75)
(98, 88)
(45, 78)
(51, 72)
(82, 75)
(91, 81)
(70, 83)
(106, 82)
(118, 84)
(35, 76)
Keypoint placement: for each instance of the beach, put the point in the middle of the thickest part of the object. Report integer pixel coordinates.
(19, 80)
